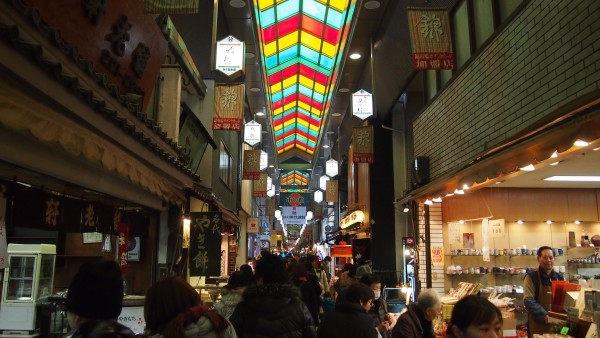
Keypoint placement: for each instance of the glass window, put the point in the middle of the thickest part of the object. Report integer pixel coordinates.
(507, 7)
(484, 20)
(225, 165)
(462, 40)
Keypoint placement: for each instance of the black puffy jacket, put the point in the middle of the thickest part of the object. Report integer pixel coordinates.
(272, 310)
(347, 320)
(103, 329)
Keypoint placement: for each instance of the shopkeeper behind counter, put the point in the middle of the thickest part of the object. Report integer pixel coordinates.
(537, 288)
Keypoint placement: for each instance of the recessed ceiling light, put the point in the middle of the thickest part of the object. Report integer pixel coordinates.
(326, 146)
(344, 90)
(264, 132)
(355, 56)
(529, 167)
(331, 132)
(259, 113)
(336, 114)
(573, 178)
(237, 3)
(581, 143)
(372, 4)
(250, 55)
(271, 166)
(255, 89)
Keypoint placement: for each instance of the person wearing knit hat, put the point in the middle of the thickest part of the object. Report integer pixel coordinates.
(94, 301)
(173, 309)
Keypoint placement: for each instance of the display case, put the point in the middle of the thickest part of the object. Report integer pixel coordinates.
(28, 279)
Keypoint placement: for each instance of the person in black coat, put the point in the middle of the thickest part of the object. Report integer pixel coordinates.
(349, 318)
(417, 322)
(308, 293)
(272, 307)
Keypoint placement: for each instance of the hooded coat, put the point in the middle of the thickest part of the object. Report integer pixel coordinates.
(103, 329)
(229, 300)
(272, 310)
(347, 320)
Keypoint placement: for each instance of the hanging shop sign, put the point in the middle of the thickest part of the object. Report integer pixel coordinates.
(205, 243)
(229, 107)
(318, 210)
(253, 133)
(264, 160)
(323, 182)
(270, 207)
(260, 186)
(252, 225)
(331, 194)
(362, 104)
(362, 144)
(331, 167)
(294, 199)
(454, 233)
(251, 165)
(496, 228)
(293, 215)
(430, 38)
(361, 250)
(122, 247)
(229, 56)
(356, 216)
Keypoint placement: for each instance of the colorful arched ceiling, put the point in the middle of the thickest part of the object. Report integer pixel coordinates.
(302, 42)
(295, 178)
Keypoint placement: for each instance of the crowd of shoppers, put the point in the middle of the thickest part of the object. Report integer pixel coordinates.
(278, 299)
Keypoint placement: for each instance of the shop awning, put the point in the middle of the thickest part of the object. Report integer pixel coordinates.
(532, 146)
(228, 215)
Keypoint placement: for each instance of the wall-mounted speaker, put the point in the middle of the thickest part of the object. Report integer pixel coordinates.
(420, 171)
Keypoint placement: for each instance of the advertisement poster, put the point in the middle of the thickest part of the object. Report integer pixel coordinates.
(453, 233)
(468, 240)
(437, 255)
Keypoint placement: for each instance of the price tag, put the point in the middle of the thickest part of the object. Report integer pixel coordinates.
(564, 330)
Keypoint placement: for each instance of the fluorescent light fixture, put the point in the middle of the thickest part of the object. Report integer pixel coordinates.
(573, 178)
(528, 168)
(428, 202)
(581, 143)
(459, 192)
(555, 163)
(326, 146)
(355, 56)
(259, 113)
(449, 194)
(438, 199)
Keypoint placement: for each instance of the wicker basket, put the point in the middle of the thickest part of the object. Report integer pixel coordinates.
(447, 311)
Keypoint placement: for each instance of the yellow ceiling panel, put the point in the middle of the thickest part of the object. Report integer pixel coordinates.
(290, 81)
(276, 88)
(311, 41)
(340, 5)
(288, 40)
(304, 106)
(328, 49)
(271, 48)
(264, 4)
(320, 88)
(306, 82)
(315, 111)
(289, 106)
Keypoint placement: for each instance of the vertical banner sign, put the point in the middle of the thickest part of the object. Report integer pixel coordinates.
(122, 248)
(437, 255)
(331, 193)
(252, 225)
(171, 7)
(362, 104)
(205, 243)
(270, 207)
(454, 233)
(361, 250)
(496, 228)
(229, 106)
(3, 247)
(251, 165)
(363, 144)
(485, 246)
(253, 133)
(230, 53)
(430, 38)
(260, 186)
(318, 211)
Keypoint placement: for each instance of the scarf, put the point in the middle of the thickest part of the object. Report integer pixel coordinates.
(177, 326)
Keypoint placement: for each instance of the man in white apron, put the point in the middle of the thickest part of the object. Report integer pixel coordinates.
(537, 288)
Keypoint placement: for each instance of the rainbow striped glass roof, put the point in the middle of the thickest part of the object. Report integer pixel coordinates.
(302, 42)
(295, 177)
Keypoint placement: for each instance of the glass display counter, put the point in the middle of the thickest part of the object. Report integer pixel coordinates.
(27, 280)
